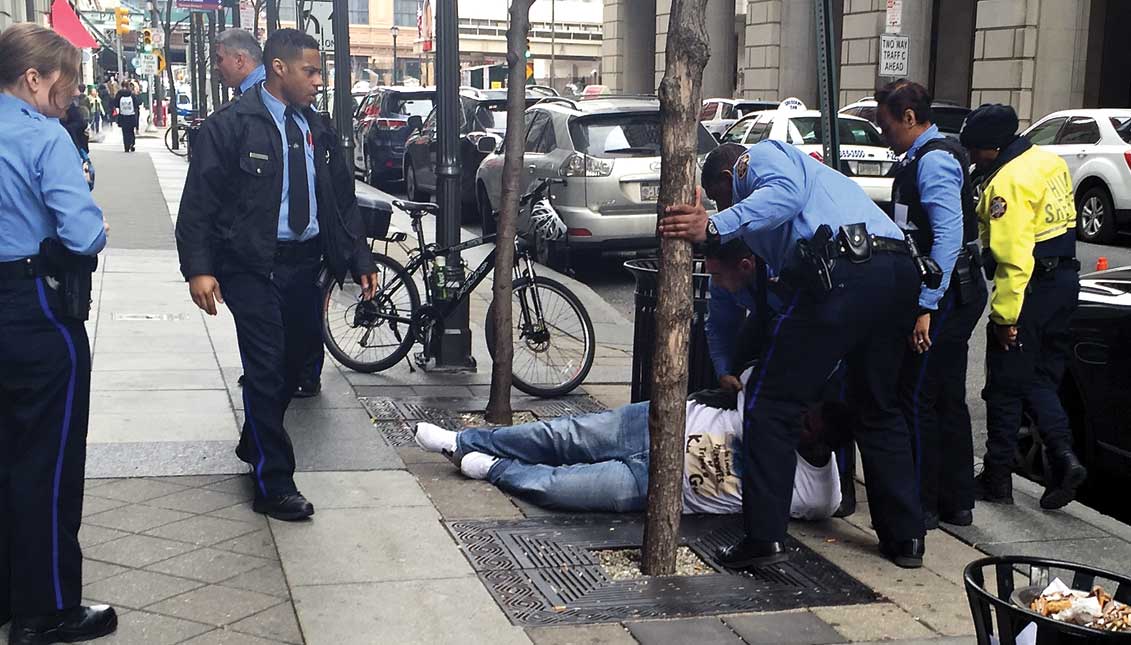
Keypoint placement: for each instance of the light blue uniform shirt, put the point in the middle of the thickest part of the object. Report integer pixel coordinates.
(43, 193)
(257, 75)
(939, 178)
(278, 112)
(784, 195)
(726, 312)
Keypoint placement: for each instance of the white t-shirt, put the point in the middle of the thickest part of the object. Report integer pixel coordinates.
(126, 106)
(712, 485)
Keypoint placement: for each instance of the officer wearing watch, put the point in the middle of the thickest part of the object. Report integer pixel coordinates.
(713, 238)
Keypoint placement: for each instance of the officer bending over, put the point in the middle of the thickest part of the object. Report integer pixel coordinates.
(1027, 221)
(51, 232)
(848, 286)
(269, 197)
(933, 202)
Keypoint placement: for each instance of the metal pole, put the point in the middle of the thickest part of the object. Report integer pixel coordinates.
(827, 86)
(121, 67)
(553, 40)
(394, 58)
(236, 16)
(214, 79)
(343, 119)
(156, 85)
(29, 8)
(273, 15)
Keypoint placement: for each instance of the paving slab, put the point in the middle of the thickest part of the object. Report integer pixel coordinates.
(93, 570)
(203, 530)
(144, 628)
(337, 439)
(457, 497)
(1023, 521)
(135, 518)
(198, 500)
(259, 544)
(135, 490)
(277, 623)
(91, 535)
(377, 489)
(137, 551)
(127, 361)
(209, 565)
(213, 423)
(164, 458)
(784, 628)
(94, 505)
(368, 545)
(216, 605)
(454, 610)
(605, 634)
(269, 580)
(136, 589)
(880, 621)
(1108, 553)
(227, 637)
(702, 631)
(175, 380)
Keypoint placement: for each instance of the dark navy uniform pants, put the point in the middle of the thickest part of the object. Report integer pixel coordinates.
(933, 396)
(44, 407)
(864, 321)
(1030, 377)
(277, 329)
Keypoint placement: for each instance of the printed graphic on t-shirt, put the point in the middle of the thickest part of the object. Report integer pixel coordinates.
(709, 461)
(126, 106)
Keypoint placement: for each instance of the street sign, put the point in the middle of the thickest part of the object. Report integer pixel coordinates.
(319, 23)
(893, 55)
(158, 37)
(198, 5)
(146, 64)
(894, 16)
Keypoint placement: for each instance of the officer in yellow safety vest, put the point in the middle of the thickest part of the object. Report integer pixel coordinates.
(1027, 224)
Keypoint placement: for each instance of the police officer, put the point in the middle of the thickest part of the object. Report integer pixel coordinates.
(933, 202)
(44, 351)
(269, 196)
(239, 60)
(848, 287)
(1027, 222)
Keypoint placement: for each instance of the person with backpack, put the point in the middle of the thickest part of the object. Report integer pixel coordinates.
(126, 104)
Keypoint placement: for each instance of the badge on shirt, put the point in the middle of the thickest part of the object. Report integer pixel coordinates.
(256, 155)
(997, 207)
(742, 166)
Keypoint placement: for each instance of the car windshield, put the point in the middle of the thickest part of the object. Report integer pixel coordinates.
(750, 107)
(949, 119)
(630, 134)
(852, 132)
(412, 105)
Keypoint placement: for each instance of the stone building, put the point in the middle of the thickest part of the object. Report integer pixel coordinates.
(1037, 55)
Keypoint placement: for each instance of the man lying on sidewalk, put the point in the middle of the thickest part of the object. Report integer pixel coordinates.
(599, 462)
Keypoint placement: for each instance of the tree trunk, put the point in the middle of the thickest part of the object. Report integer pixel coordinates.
(679, 91)
(499, 405)
(166, 25)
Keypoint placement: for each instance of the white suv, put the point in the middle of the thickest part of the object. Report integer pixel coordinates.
(1096, 145)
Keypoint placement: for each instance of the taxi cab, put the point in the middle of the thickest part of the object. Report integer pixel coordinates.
(863, 154)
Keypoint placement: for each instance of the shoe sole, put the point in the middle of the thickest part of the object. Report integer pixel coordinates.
(283, 517)
(1008, 501)
(757, 563)
(964, 522)
(905, 562)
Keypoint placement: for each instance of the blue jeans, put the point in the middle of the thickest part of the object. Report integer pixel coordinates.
(592, 462)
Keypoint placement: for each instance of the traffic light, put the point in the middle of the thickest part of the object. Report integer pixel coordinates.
(122, 20)
(529, 54)
(147, 40)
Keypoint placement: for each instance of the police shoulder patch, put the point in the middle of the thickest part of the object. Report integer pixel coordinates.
(998, 207)
(742, 165)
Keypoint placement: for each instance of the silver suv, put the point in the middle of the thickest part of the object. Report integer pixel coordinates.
(607, 151)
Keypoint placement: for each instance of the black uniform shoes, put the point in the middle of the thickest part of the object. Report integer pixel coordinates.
(1066, 476)
(907, 553)
(751, 554)
(69, 626)
(289, 508)
(994, 485)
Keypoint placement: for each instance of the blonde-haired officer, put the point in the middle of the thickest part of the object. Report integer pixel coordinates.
(1027, 222)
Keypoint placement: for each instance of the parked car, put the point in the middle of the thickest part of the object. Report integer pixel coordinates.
(383, 127)
(720, 114)
(1095, 386)
(947, 116)
(482, 112)
(608, 152)
(1096, 145)
(863, 154)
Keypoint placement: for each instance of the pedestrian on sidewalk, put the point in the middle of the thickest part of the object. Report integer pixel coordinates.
(107, 99)
(51, 226)
(126, 105)
(934, 204)
(1027, 222)
(269, 197)
(94, 107)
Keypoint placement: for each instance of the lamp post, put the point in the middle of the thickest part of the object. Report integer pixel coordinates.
(394, 30)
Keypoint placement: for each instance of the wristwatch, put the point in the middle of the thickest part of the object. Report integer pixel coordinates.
(712, 232)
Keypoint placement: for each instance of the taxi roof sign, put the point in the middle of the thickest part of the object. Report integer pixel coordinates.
(792, 104)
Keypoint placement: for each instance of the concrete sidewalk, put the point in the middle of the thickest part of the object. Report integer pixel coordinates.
(170, 539)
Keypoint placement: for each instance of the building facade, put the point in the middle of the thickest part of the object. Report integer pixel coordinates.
(1037, 55)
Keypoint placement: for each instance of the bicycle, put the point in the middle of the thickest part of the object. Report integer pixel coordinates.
(554, 341)
(182, 133)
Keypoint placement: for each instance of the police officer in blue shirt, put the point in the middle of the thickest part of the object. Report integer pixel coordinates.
(933, 201)
(239, 60)
(848, 286)
(49, 221)
(269, 197)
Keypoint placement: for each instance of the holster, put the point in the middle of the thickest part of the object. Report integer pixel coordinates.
(930, 273)
(73, 273)
(855, 243)
(965, 275)
(814, 270)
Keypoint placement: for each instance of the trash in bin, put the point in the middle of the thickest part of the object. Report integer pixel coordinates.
(1096, 609)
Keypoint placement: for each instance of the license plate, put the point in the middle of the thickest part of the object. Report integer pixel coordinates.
(869, 168)
(649, 192)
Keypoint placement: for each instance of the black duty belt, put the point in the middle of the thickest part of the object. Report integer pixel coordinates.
(290, 250)
(27, 268)
(1044, 266)
(879, 245)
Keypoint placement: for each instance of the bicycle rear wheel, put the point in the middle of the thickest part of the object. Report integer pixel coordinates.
(553, 337)
(178, 132)
(371, 335)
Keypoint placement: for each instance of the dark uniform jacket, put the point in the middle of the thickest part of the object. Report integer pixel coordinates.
(229, 216)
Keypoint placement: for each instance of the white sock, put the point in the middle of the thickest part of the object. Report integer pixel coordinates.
(433, 438)
(476, 464)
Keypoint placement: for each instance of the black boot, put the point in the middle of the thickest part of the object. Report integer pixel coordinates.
(994, 484)
(69, 626)
(751, 554)
(930, 520)
(965, 517)
(288, 508)
(907, 554)
(1066, 476)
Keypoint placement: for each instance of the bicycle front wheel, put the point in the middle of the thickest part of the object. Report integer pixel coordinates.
(553, 337)
(178, 132)
(371, 335)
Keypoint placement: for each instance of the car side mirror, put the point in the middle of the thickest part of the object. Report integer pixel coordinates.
(415, 123)
(488, 144)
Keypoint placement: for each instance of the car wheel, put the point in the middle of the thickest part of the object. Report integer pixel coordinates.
(486, 213)
(1095, 216)
(410, 187)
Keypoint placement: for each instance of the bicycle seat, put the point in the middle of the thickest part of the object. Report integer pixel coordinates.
(417, 209)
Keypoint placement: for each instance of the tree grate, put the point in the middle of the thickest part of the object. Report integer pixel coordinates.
(543, 572)
(396, 433)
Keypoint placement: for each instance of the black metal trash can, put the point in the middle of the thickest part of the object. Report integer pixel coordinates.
(700, 371)
(1006, 603)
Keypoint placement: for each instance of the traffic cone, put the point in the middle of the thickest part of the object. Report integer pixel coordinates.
(1101, 264)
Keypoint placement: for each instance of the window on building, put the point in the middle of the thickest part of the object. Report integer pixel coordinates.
(359, 12)
(404, 13)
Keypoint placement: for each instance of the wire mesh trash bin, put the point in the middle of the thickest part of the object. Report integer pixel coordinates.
(700, 371)
(993, 591)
